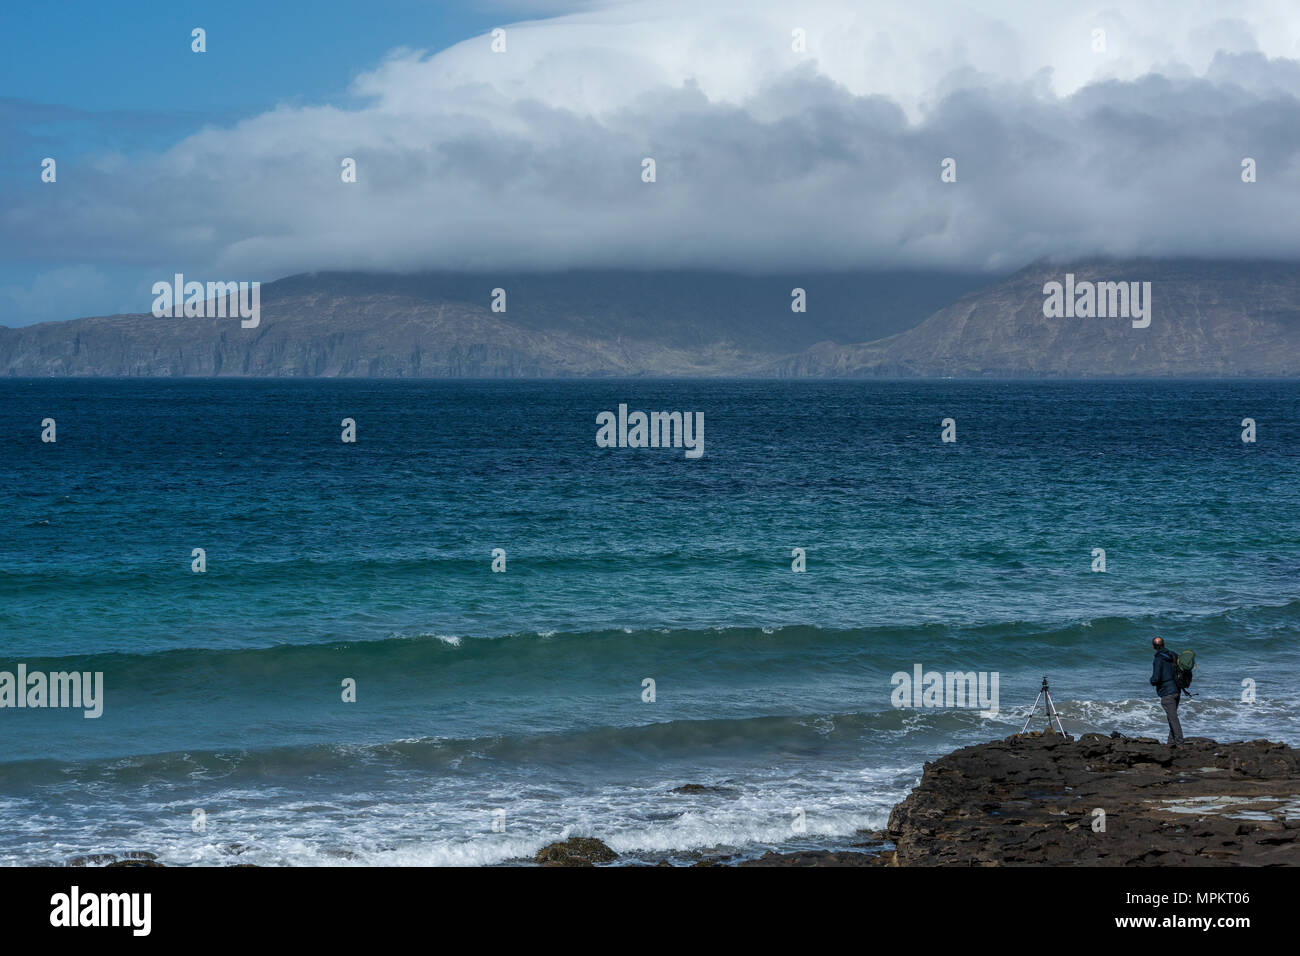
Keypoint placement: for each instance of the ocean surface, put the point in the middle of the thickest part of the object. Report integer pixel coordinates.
(499, 712)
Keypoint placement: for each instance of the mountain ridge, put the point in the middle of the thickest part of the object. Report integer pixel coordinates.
(1210, 318)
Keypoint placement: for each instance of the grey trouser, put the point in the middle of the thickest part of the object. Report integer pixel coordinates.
(1170, 704)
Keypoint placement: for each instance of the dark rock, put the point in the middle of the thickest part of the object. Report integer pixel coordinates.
(1030, 800)
(813, 858)
(134, 862)
(129, 858)
(877, 836)
(702, 788)
(576, 851)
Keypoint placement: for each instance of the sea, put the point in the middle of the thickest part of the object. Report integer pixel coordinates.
(307, 656)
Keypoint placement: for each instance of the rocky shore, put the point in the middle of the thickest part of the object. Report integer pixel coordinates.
(1042, 800)
(1104, 801)
(1097, 801)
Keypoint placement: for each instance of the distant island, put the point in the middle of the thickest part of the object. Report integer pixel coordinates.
(1211, 319)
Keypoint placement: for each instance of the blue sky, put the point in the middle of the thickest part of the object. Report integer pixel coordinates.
(135, 55)
(82, 78)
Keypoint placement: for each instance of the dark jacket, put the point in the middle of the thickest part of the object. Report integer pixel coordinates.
(1162, 673)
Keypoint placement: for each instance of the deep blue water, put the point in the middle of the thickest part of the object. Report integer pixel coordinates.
(522, 691)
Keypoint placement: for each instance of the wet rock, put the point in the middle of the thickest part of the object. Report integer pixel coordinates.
(709, 858)
(871, 839)
(1031, 800)
(814, 858)
(702, 788)
(576, 851)
(129, 858)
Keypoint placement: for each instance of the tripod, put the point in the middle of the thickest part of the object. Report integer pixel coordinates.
(1052, 715)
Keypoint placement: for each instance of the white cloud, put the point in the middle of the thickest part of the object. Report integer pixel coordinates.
(532, 158)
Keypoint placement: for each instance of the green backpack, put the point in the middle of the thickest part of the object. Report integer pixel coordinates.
(1183, 668)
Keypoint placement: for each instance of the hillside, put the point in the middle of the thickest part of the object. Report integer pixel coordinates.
(440, 325)
(1207, 319)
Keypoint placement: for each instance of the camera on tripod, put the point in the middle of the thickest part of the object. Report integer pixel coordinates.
(1052, 715)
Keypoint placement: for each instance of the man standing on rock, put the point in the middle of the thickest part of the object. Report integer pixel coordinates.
(1162, 679)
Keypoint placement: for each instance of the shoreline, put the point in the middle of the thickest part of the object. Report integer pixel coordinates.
(1042, 800)
(1035, 799)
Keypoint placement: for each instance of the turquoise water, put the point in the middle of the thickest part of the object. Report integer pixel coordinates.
(522, 692)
